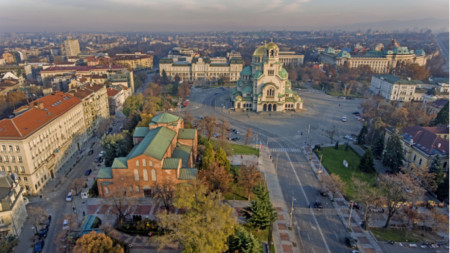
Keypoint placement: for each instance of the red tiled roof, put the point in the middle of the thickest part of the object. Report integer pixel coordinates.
(112, 92)
(30, 121)
(426, 140)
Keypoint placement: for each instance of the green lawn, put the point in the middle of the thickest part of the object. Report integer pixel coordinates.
(244, 150)
(333, 160)
(402, 235)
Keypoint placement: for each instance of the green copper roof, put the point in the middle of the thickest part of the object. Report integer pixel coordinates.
(247, 71)
(183, 152)
(188, 173)
(186, 134)
(257, 74)
(171, 163)
(329, 50)
(397, 80)
(283, 73)
(165, 118)
(154, 144)
(247, 89)
(119, 163)
(401, 50)
(140, 131)
(344, 54)
(105, 173)
(419, 52)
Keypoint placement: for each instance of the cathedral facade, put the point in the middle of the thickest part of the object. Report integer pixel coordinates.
(264, 85)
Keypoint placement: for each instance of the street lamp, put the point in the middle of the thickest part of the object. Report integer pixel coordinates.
(292, 212)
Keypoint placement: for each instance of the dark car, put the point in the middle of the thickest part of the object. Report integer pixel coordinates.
(235, 138)
(88, 172)
(91, 152)
(355, 205)
(317, 204)
(43, 233)
(39, 246)
(356, 113)
(351, 242)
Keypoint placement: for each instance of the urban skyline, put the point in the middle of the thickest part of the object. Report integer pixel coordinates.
(177, 15)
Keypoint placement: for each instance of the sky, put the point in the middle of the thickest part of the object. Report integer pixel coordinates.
(218, 15)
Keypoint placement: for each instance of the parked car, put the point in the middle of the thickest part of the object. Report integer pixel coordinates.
(351, 242)
(355, 205)
(91, 152)
(235, 138)
(344, 118)
(348, 137)
(39, 246)
(43, 233)
(101, 154)
(356, 113)
(69, 197)
(88, 172)
(66, 225)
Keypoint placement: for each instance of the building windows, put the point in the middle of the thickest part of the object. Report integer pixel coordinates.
(420, 161)
(13, 159)
(3, 147)
(154, 175)
(145, 174)
(136, 175)
(3, 168)
(137, 163)
(414, 157)
(150, 163)
(20, 159)
(143, 162)
(9, 168)
(16, 169)
(106, 190)
(137, 188)
(25, 179)
(270, 72)
(10, 148)
(17, 148)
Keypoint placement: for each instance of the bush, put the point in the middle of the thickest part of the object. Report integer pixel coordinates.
(93, 192)
(138, 226)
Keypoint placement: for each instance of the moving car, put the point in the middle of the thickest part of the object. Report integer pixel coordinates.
(344, 118)
(39, 246)
(351, 242)
(317, 204)
(69, 197)
(88, 172)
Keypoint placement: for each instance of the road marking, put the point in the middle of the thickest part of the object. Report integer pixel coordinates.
(313, 227)
(306, 197)
(287, 150)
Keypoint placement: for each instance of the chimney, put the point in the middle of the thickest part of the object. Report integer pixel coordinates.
(40, 105)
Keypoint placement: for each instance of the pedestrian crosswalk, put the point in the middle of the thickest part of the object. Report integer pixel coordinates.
(288, 150)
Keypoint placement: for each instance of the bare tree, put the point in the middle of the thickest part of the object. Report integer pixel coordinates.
(366, 195)
(224, 126)
(78, 185)
(216, 177)
(184, 90)
(37, 215)
(249, 176)
(120, 198)
(103, 125)
(248, 135)
(331, 183)
(163, 192)
(331, 133)
(209, 124)
(187, 119)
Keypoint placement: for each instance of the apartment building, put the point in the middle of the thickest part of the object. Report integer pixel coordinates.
(394, 88)
(70, 47)
(134, 61)
(40, 138)
(13, 213)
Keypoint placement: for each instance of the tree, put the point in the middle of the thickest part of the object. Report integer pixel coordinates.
(7, 244)
(260, 214)
(336, 146)
(184, 90)
(96, 243)
(153, 90)
(331, 132)
(243, 241)
(36, 216)
(331, 183)
(205, 225)
(366, 195)
(248, 135)
(209, 124)
(224, 131)
(393, 157)
(103, 125)
(133, 103)
(249, 176)
(163, 192)
(120, 198)
(188, 119)
(164, 78)
(208, 156)
(442, 117)
(378, 146)
(436, 169)
(222, 159)
(78, 184)
(16, 97)
(366, 163)
(442, 189)
(362, 135)
(216, 177)
(395, 189)
(115, 145)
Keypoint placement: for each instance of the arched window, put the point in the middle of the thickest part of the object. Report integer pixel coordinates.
(136, 175)
(154, 175)
(145, 174)
(420, 161)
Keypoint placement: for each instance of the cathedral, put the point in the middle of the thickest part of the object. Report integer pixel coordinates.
(264, 86)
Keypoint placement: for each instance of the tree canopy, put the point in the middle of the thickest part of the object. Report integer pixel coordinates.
(260, 214)
(442, 117)
(393, 157)
(96, 243)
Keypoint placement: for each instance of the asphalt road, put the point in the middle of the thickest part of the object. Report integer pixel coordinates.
(316, 230)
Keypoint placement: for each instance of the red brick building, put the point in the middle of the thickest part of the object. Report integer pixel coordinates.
(163, 151)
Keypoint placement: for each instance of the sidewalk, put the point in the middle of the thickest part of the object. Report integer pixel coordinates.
(284, 239)
(350, 218)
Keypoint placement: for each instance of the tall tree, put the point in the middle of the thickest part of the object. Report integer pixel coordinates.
(209, 124)
(78, 185)
(436, 169)
(393, 157)
(248, 135)
(164, 78)
(115, 145)
(133, 103)
(216, 177)
(222, 159)
(36, 215)
(248, 177)
(205, 225)
(442, 117)
(378, 146)
(184, 90)
(366, 195)
(224, 126)
(366, 163)
(442, 189)
(260, 214)
(163, 192)
(362, 135)
(331, 132)
(96, 242)
(208, 157)
(120, 198)
(243, 241)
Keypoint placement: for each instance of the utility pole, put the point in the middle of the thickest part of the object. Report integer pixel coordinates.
(292, 212)
(349, 217)
(309, 130)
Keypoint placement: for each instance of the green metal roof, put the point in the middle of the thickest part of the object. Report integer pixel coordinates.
(140, 131)
(419, 52)
(247, 71)
(401, 50)
(119, 163)
(289, 91)
(188, 173)
(247, 89)
(344, 54)
(397, 80)
(105, 173)
(154, 144)
(171, 163)
(165, 118)
(183, 152)
(257, 74)
(106, 183)
(283, 73)
(186, 134)
(329, 50)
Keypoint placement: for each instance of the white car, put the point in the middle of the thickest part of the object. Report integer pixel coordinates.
(66, 225)
(69, 197)
(348, 137)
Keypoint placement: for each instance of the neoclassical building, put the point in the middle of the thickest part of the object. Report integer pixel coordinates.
(264, 85)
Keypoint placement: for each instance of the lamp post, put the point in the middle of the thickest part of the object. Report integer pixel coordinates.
(292, 212)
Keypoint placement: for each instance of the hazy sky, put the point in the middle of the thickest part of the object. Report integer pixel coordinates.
(209, 15)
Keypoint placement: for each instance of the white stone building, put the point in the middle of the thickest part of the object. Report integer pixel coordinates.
(394, 88)
(13, 213)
